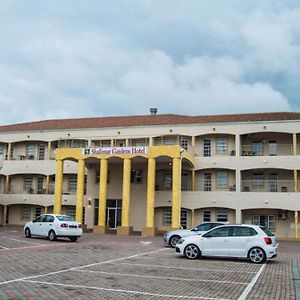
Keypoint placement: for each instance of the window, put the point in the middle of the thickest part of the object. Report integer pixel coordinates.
(207, 148)
(49, 219)
(30, 151)
(184, 144)
(222, 180)
(222, 145)
(204, 227)
(120, 143)
(136, 176)
(219, 232)
(1, 151)
(71, 211)
(168, 181)
(40, 185)
(272, 148)
(207, 182)
(38, 211)
(222, 216)
(206, 216)
(243, 231)
(183, 218)
(72, 183)
(25, 213)
(258, 180)
(169, 141)
(41, 151)
(105, 143)
(273, 183)
(257, 148)
(267, 221)
(184, 181)
(167, 216)
(28, 184)
(140, 143)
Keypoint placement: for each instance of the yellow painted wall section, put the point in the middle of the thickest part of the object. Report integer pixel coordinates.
(58, 186)
(294, 144)
(126, 192)
(80, 190)
(102, 192)
(176, 192)
(150, 192)
(295, 181)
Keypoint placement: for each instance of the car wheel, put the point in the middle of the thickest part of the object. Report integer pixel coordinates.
(52, 235)
(174, 240)
(73, 238)
(191, 251)
(257, 255)
(27, 232)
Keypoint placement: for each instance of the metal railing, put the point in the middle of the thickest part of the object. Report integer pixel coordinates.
(280, 186)
(267, 150)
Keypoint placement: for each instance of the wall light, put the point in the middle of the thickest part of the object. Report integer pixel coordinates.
(264, 127)
(214, 129)
(89, 202)
(170, 130)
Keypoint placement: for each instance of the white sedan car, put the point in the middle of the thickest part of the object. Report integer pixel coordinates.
(241, 241)
(172, 237)
(53, 226)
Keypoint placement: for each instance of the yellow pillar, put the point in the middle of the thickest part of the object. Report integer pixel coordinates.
(193, 180)
(80, 190)
(49, 151)
(4, 215)
(8, 151)
(7, 184)
(47, 184)
(46, 210)
(150, 230)
(58, 186)
(193, 218)
(295, 181)
(294, 144)
(176, 192)
(125, 229)
(102, 227)
(296, 224)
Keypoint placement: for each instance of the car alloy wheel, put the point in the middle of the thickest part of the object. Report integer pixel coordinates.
(257, 255)
(52, 235)
(27, 233)
(192, 251)
(174, 240)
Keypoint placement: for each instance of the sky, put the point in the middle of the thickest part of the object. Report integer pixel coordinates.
(68, 59)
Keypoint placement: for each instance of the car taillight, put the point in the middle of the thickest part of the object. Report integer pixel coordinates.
(79, 225)
(268, 240)
(64, 225)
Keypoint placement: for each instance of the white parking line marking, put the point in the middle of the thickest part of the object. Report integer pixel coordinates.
(80, 267)
(123, 291)
(26, 242)
(2, 247)
(188, 269)
(162, 277)
(251, 284)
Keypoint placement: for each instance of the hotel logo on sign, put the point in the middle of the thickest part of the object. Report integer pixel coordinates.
(115, 150)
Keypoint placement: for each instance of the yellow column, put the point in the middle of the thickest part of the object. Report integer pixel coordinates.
(150, 230)
(8, 151)
(47, 184)
(58, 186)
(294, 144)
(7, 184)
(80, 190)
(295, 181)
(46, 210)
(176, 192)
(4, 215)
(193, 218)
(193, 180)
(49, 151)
(296, 224)
(125, 229)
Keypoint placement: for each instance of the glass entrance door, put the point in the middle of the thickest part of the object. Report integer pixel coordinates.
(113, 217)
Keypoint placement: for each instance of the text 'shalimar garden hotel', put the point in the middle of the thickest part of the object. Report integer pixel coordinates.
(151, 173)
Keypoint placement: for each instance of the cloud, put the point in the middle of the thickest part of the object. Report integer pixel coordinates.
(95, 59)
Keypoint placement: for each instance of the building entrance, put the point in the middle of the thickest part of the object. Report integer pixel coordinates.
(113, 213)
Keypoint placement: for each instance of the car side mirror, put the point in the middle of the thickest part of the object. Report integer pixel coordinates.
(33, 221)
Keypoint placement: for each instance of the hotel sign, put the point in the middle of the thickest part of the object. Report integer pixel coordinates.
(115, 150)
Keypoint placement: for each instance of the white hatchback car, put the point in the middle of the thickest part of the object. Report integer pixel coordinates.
(172, 237)
(241, 241)
(54, 226)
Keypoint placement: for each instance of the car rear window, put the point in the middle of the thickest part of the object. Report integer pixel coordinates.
(65, 218)
(266, 231)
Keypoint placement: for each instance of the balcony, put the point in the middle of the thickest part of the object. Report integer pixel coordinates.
(262, 149)
(280, 186)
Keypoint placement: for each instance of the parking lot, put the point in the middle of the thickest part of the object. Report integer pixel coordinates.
(119, 267)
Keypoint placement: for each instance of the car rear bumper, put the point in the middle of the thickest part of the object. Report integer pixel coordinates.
(69, 232)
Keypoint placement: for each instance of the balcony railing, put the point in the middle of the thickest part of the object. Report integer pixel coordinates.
(267, 150)
(280, 186)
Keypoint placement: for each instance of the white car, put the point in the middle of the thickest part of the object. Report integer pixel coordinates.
(241, 241)
(53, 226)
(172, 237)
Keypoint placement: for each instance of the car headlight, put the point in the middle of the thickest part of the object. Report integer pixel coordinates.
(180, 241)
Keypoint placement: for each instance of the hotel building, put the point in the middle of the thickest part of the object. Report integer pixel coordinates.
(151, 173)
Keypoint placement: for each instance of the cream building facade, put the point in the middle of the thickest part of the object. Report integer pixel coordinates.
(152, 173)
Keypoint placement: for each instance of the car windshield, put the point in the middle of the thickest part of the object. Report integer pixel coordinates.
(65, 218)
(266, 231)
